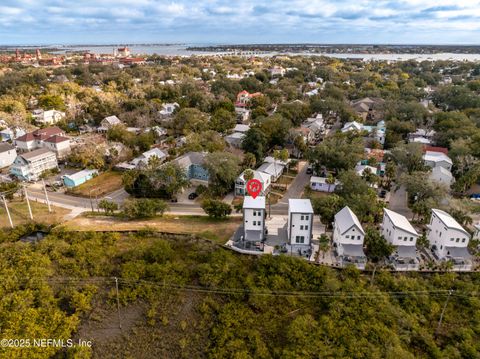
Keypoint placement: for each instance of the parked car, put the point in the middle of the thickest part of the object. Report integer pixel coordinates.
(383, 193)
(192, 196)
(309, 170)
(174, 200)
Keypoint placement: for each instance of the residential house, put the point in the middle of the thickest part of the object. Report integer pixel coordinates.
(47, 118)
(7, 154)
(235, 139)
(398, 231)
(348, 238)
(264, 178)
(108, 122)
(437, 159)
(274, 169)
(277, 71)
(76, 179)
(11, 133)
(442, 175)
(60, 145)
(254, 214)
(352, 126)
(449, 240)
(422, 136)
(300, 225)
(30, 165)
(36, 139)
(193, 165)
(241, 128)
(320, 184)
(168, 109)
(316, 125)
(368, 108)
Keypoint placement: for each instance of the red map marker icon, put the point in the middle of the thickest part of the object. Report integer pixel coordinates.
(254, 187)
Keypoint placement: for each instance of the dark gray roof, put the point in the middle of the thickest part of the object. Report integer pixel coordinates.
(407, 251)
(458, 252)
(353, 250)
(4, 147)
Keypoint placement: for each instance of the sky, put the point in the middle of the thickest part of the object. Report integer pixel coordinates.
(239, 21)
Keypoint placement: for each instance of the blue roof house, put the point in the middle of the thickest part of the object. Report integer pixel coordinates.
(78, 178)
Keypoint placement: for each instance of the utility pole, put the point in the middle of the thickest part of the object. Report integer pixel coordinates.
(118, 304)
(46, 196)
(443, 311)
(8, 212)
(90, 195)
(28, 202)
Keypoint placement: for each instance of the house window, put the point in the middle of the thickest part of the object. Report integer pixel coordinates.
(359, 237)
(463, 240)
(302, 218)
(452, 239)
(301, 228)
(458, 240)
(411, 239)
(306, 227)
(254, 223)
(399, 238)
(300, 239)
(347, 236)
(307, 218)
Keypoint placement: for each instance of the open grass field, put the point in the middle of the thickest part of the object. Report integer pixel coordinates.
(216, 230)
(19, 212)
(101, 185)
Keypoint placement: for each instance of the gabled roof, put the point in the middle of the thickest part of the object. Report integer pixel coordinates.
(261, 176)
(112, 120)
(36, 154)
(448, 220)
(28, 137)
(57, 139)
(346, 219)
(400, 221)
(81, 174)
(190, 158)
(436, 157)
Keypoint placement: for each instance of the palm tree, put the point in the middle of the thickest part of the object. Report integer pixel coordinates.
(324, 244)
(247, 176)
(330, 180)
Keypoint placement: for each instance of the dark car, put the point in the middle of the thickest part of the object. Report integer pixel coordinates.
(192, 196)
(174, 200)
(383, 193)
(309, 170)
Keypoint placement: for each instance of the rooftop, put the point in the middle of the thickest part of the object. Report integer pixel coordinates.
(436, 157)
(4, 147)
(81, 174)
(254, 203)
(400, 221)
(300, 205)
(36, 154)
(448, 220)
(346, 219)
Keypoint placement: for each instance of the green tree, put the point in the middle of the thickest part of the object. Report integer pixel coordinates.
(216, 208)
(223, 169)
(143, 208)
(255, 142)
(222, 120)
(108, 206)
(377, 248)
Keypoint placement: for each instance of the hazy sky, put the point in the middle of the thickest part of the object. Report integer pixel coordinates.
(242, 21)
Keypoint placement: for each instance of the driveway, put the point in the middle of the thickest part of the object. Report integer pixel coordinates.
(398, 202)
(298, 185)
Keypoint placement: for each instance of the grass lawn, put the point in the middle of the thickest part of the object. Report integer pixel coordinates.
(19, 213)
(99, 186)
(218, 231)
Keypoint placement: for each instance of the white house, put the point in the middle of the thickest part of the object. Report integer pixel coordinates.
(143, 159)
(448, 239)
(254, 218)
(264, 178)
(108, 122)
(273, 169)
(11, 133)
(29, 166)
(300, 224)
(60, 145)
(50, 117)
(7, 154)
(442, 175)
(348, 237)
(241, 128)
(235, 139)
(277, 71)
(437, 159)
(38, 139)
(352, 126)
(168, 109)
(398, 231)
(320, 184)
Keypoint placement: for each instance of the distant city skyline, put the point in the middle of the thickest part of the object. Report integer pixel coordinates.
(33, 22)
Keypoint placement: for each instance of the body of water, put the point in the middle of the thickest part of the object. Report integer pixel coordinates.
(181, 50)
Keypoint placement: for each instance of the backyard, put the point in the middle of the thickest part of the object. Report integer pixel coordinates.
(100, 185)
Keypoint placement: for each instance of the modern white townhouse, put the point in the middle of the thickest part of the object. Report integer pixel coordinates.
(300, 224)
(254, 218)
(398, 231)
(30, 165)
(448, 239)
(348, 238)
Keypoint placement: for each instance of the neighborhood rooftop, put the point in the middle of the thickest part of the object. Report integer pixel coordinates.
(254, 203)
(400, 221)
(300, 205)
(345, 219)
(448, 220)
